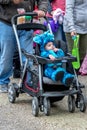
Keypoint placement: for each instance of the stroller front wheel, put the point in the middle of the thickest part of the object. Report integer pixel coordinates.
(46, 106)
(82, 103)
(12, 94)
(71, 103)
(35, 106)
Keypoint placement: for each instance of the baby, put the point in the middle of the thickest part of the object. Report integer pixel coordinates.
(54, 71)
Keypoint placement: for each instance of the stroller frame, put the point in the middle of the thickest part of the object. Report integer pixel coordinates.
(43, 98)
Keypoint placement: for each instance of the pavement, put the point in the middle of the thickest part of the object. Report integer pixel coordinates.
(18, 116)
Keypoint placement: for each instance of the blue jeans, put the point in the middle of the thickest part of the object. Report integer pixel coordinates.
(7, 47)
(60, 35)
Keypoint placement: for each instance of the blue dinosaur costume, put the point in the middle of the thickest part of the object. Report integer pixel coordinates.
(54, 70)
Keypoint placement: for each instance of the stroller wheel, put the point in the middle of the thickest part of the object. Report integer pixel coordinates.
(46, 106)
(35, 106)
(12, 93)
(82, 103)
(71, 103)
(77, 102)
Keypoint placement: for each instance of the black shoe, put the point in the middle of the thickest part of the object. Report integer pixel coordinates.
(59, 75)
(69, 81)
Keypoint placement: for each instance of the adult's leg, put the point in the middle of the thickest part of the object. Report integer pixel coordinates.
(63, 33)
(7, 44)
(69, 42)
(58, 34)
(83, 46)
(69, 48)
(26, 41)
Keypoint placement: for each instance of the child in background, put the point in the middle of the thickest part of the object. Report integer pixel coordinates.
(54, 71)
(56, 8)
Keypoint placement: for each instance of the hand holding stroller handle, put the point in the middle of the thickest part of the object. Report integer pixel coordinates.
(14, 18)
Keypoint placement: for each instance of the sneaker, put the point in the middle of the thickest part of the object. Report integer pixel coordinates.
(4, 88)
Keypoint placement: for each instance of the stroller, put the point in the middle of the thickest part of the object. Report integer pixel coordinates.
(43, 90)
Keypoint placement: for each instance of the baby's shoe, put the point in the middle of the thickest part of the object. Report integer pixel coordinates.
(68, 79)
(58, 74)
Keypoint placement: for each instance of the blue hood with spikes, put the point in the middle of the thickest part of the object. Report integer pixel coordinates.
(43, 39)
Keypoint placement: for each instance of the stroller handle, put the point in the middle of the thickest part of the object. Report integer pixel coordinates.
(48, 24)
(14, 18)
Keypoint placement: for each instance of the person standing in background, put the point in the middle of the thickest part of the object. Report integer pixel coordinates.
(75, 22)
(8, 8)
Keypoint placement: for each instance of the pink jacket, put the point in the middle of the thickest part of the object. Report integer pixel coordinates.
(58, 4)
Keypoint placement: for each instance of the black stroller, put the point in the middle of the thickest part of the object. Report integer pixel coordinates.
(43, 90)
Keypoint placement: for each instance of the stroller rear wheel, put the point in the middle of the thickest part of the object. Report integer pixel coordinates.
(71, 103)
(82, 103)
(35, 106)
(46, 106)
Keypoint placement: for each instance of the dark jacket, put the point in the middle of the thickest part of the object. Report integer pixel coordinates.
(8, 8)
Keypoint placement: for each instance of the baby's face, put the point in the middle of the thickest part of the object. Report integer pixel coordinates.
(49, 46)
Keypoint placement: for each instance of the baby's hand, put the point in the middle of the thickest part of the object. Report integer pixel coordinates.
(52, 57)
(55, 49)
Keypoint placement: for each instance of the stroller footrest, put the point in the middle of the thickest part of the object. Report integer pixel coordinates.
(59, 94)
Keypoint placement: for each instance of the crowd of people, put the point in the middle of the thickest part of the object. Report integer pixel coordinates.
(74, 21)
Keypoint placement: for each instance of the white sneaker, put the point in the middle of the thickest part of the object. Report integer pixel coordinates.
(4, 88)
